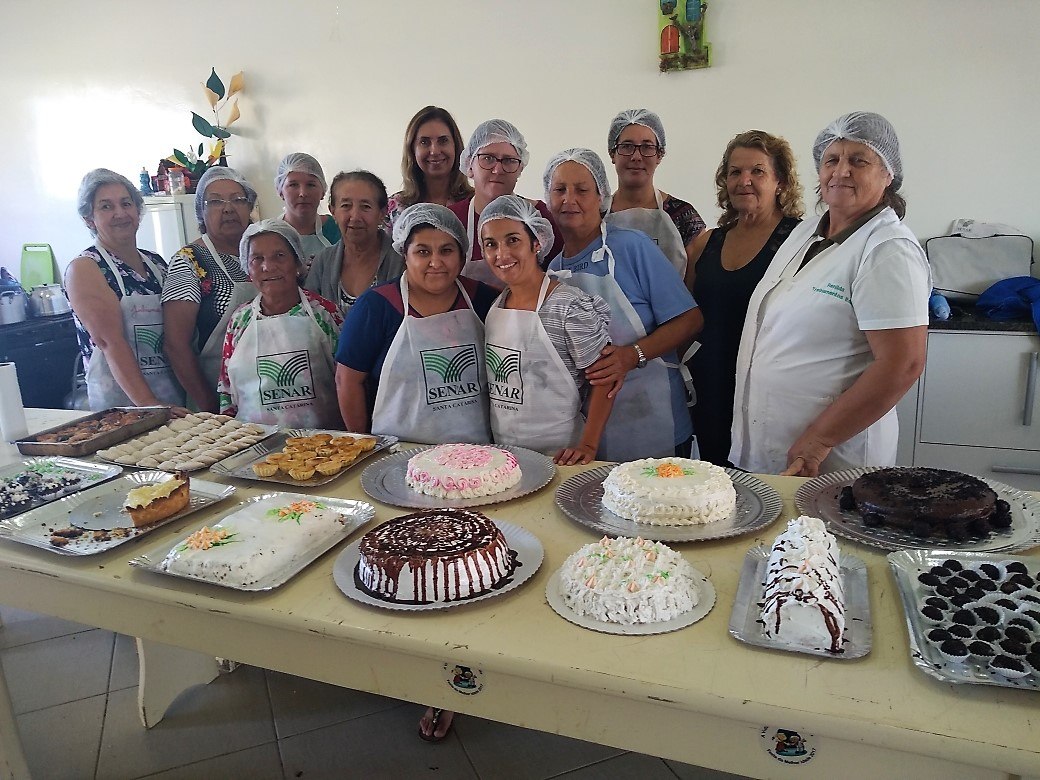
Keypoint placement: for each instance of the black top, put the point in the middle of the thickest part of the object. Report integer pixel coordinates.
(723, 297)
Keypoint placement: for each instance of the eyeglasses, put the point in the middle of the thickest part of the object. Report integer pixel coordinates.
(646, 149)
(509, 164)
(219, 203)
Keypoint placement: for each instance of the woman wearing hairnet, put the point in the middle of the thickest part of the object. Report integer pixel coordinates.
(494, 158)
(114, 290)
(411, 355)
(636, 142)
(300, 183)
(652, 312)
(835, 331)
(277, 366)
(540, 336)
(206, 283)
(430, 163)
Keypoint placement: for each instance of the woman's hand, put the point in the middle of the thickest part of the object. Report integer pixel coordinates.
(178, 411)
(614, 363)
(805, 456)
(575, 456)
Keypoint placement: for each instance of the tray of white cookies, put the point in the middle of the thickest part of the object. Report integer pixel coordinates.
(190, 443)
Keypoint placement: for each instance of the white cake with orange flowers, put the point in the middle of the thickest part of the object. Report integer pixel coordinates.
(669, 491)
(255, 544)
(628, 581)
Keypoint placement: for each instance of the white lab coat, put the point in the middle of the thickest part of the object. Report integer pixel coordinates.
(803, 342)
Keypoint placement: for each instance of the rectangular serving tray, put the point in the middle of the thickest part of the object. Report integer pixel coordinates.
(93, 474)
(357, 512)
(156, 416)
(240, 465)
(745, 623)
(36, 526)
(906, 566)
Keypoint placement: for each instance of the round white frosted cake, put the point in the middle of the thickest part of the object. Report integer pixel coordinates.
(256, 543)
(462, 471)
(432, 556)
(628, 580)
(669, 491)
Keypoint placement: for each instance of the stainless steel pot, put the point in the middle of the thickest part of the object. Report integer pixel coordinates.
(47, 300)
(12, 307)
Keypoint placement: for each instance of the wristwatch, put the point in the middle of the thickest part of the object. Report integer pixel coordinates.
(641, 362)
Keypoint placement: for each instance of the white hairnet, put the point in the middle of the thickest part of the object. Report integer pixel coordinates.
(585, 157)
(873, 130)
(299, 162)
(428, 215)
(494, 131)
(522, 210)
(212, 175)
(89, 186)
(279, 226)
(635, 116)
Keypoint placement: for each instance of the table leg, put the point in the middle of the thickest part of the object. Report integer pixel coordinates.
(165, 673)
(12, 759)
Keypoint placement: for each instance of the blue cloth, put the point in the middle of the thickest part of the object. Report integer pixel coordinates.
(1012, 298)
(372, 323)
(655, 290)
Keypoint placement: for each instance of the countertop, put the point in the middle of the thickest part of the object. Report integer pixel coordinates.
(966, 317)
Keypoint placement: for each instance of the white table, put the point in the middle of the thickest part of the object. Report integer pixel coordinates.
(696, 695)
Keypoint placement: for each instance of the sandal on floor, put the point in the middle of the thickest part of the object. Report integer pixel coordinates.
(438, 713)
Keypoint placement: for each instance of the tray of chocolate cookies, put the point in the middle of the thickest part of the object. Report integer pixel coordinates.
(972, 617)
(907, 508)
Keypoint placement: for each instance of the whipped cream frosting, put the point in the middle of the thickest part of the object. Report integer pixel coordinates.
(627, 581)
(462, 471)
(669, 491)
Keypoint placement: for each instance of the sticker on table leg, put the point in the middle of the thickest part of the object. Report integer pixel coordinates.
(788, 746)
(463, 679)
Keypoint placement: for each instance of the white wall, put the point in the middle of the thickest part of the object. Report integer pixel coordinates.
(111, 83)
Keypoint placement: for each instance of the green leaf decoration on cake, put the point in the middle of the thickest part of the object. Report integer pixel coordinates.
(206, 538)
(668, 471)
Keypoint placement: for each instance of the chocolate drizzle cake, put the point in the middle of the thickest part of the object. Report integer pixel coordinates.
(437, 555)
(927, 502)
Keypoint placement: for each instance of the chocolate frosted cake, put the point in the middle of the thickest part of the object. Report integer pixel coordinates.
(927, 502)
(437, 555)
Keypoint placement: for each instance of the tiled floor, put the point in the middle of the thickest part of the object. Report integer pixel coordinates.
(74, 690)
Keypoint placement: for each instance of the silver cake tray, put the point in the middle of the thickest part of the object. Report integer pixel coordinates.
(525, 544)
(819, 498)
(89, 474)
(240, 464)
(113, 527)
(705, 601)
(906, 566)
(384, 481)
(581, 499)
(745, 622)
(356, 514)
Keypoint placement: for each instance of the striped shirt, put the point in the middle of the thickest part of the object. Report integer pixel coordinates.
(195, 277)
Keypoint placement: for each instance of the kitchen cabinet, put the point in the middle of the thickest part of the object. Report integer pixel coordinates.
(978, 406)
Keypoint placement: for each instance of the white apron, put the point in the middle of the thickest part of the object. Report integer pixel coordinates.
(534, 401)
(282, 372)
(473, 268)
(143, 329)
(783, 384)
(641, 423)
(433, 386)
(312, 243)
(658, 225)
(212, 351)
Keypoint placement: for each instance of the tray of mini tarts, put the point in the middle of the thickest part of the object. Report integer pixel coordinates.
(52, 527)
(581, 499)
(820, 497)
(745, 622)
(384, 481)
(94, 432)
(243, 465)
(986, 631)
(77, 474)
(354, 514)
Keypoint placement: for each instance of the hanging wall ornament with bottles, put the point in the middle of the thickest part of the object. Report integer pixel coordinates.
(681, 26)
